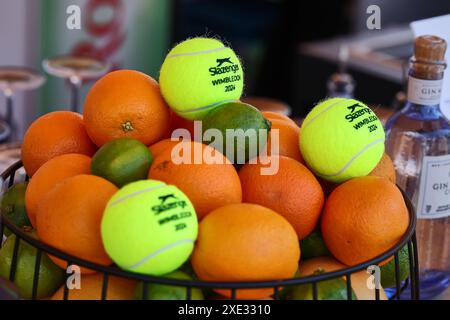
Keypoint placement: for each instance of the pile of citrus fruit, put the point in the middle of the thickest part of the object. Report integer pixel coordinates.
(242, 225)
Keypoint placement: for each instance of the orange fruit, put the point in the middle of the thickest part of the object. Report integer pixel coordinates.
(69, 216)
(54, 134)
(288, 140)
(47, 176)
(363, 218)
(293, 192)
(270, 115)
(328, 264)
(91, 289)
(207, 185)
(385, 169)
(126, 104)
(245, 242)
(162, 145)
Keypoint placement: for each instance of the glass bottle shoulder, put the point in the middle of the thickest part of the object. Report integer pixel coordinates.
(426, 121)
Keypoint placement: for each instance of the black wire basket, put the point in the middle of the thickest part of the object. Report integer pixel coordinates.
(9, 177)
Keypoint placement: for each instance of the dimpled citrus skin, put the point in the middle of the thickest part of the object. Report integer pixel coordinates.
(50, 174)
(157, 148)
(332, 146)
(54, 134)
(186, 81)
(293, 192)
(288, 133)
(363, 218)
(245, 242)
(126, 104)
(134, 236)
(69, 216)
(385, 168)
(271, 115)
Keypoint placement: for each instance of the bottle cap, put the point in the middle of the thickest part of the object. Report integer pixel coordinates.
(430, 49)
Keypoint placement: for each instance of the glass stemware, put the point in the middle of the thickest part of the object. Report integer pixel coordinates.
(75, 70)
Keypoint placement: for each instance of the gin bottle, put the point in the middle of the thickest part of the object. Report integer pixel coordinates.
(418, 141)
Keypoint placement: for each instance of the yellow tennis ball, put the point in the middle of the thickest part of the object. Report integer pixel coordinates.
(199, 74)
(149, 227)
(341, 139)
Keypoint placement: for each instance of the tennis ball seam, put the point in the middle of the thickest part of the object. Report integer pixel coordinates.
(196, 52)
(206, 107)
(131, 195)
(342, 170)
(322, 112)
(160, 250)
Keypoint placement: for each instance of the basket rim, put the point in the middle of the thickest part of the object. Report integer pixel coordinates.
(116, 271)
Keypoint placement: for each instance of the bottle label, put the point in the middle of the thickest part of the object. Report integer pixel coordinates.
(424, 92)
(434, 190)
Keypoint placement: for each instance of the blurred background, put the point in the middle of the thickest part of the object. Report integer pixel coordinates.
(290, 49)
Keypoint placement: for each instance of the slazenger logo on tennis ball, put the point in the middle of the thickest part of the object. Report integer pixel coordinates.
(356, 111)
(221, 68)
(168, 206)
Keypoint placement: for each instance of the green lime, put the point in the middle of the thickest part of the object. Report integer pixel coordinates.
(168, 292)
(241, 126)
(388, 270)
(51, 276)
(122, 161)
(12, 206)
(313, 246)
(333, 289)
